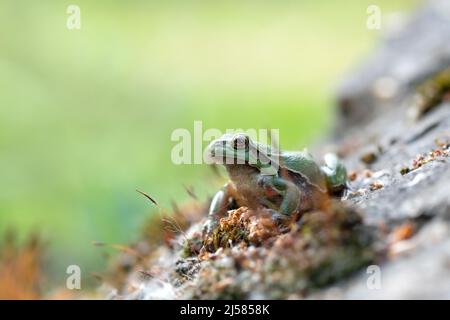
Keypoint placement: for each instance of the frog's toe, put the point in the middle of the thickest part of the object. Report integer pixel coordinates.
(335, 173)
(347, 189)
(339, 190)
(278, 218)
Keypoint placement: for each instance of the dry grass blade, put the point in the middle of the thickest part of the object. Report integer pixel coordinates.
(127, 249)
(175, 208)
(148, 197)
(146, 275)
(98, 276)
(190, 191)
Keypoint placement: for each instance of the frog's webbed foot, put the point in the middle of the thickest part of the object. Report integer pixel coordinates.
(219, 206)
(336, 174)
(282, 221)
(277, 217)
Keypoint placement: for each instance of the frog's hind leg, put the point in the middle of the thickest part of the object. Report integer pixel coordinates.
(221, 202)
(335, 174)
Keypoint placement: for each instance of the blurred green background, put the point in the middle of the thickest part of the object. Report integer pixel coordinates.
(86, 115)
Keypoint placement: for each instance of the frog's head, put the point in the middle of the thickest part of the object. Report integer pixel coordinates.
(241, 150)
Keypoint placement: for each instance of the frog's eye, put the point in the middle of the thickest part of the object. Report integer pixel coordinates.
(241, 142)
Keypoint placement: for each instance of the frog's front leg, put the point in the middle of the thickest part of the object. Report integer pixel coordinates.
(335, 174)
(219, 206)
(277, 186)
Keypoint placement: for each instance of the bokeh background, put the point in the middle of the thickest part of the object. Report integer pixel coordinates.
(86, 115)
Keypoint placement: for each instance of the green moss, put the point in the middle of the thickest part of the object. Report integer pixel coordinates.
(433, 92)
(326, 247)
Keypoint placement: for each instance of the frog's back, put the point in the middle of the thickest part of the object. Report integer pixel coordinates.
(302, 163)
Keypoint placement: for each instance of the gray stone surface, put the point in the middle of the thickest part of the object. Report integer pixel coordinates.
(420, 267)
(422, 271)
(418, 46)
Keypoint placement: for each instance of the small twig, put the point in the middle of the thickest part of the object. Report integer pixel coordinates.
(149, 198)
